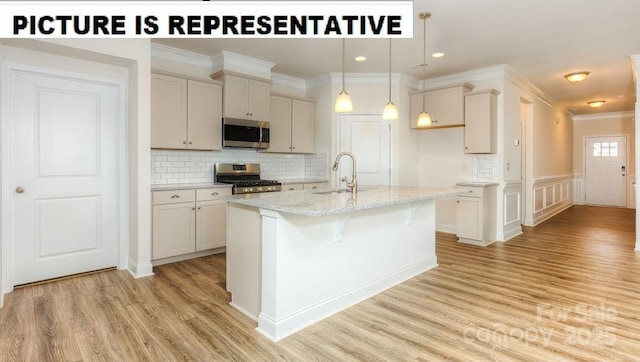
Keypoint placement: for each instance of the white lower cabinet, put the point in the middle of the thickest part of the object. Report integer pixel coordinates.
(188, 221)
(305, 186)
(476, 214)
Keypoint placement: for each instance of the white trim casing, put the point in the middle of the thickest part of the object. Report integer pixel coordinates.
(512, 206)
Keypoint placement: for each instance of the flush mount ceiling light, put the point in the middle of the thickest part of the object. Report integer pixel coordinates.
(576, 77)
(424, 119)
(596, 104)
(360, 58)
(390, 110)
(343, 101)
(437, 55)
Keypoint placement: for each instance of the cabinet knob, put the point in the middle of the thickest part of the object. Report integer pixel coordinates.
(193, 209)
(214, 194)
(314, 188)
(175, 196)
(184, 142)
(199, 207)
(190, 142)
(291, 188)
(294, 147)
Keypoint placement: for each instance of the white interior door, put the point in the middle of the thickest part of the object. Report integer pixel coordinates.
(63, 157)
(367, 137)
(606, 171)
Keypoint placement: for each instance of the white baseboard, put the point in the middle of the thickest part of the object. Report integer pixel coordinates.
(140, 270)
(276, 331)
(512, 232)
(446, 228)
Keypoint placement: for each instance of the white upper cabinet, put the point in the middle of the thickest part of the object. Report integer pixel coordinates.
(185, 114)
(480, 133)
(245, 98)
(444, 105)
(292, 125)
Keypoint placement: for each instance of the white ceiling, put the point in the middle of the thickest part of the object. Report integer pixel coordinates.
(540, 39)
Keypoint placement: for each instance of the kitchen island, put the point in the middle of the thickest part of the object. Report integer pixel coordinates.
(295, 258)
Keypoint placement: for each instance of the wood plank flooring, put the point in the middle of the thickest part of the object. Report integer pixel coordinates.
(567, 290)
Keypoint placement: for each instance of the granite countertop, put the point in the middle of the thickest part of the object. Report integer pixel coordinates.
(476, 184)
(319, 203)
(188, 186)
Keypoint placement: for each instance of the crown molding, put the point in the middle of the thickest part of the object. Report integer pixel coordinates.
(232, 62)
(599, 116)
(519, 80)
(465, 77)
(288, 81)
(335, 78)
(178, 55)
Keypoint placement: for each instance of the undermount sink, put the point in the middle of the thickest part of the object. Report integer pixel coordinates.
(330, 192)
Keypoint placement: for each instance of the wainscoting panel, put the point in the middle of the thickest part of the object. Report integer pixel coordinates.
(552, 195)
(578, 188)
(512, 206)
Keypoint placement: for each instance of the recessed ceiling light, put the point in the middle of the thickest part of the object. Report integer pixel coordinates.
(437, 55)
(360, 58)
(621, 96)
(596, 104)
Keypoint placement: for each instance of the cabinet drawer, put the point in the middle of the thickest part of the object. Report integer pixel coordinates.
(292, 187)
(173, 197)
(212, 194)
(474, 191)
(316, 186)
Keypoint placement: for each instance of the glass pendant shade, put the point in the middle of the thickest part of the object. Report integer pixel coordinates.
(424, 119)
(343, 102)
(390, 111)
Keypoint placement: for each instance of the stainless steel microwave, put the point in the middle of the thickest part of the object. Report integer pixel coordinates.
(245, 133)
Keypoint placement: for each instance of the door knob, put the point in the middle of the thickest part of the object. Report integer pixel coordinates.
(19, 189)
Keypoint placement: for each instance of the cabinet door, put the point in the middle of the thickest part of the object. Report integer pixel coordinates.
(449, 106)
(236, 97)
(204, 125)
(302, 127)
(258, 105)
(211, 221)
(469, 223)
(480, 123)
(168, 112)
(280, 118)
(173, 229)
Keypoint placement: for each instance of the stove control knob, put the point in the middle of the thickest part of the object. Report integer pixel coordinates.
(259, 189)
(245, 190)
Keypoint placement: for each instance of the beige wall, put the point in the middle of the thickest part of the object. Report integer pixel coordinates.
(604, 125)
(552, 142)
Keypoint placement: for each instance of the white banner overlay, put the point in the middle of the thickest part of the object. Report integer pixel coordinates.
(206, 19)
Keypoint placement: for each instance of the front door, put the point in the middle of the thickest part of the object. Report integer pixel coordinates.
(606, 171)
(63, 157)
(367, 137)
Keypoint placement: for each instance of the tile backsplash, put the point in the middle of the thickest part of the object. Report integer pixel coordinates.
(485, 168)
(171, 167)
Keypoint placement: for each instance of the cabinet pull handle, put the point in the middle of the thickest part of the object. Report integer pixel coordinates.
(190, 142)
(199, 207)
(193, 209)
(184, 142)
(291, 188)
(214, 194)
(314, 188)
(175, 196)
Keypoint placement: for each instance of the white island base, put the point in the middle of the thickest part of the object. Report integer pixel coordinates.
(288, 271)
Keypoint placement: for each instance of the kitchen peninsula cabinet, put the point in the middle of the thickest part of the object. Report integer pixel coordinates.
(185, 114)
(188, 221)
(480, 114)
(292, 125)
(445, 106)
(245, 98)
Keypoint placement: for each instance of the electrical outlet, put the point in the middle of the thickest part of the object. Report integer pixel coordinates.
(465, 166)
(508, 166)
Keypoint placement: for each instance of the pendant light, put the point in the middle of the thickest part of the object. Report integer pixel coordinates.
(390, 110)
(424, 119)
(343, 101)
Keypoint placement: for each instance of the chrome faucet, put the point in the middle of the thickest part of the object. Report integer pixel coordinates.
(353, 184)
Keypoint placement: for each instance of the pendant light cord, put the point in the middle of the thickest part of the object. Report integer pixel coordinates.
(389, 69)
(424, 56)
(343, 46)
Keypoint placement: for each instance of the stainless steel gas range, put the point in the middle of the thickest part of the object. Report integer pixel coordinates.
(245, 178)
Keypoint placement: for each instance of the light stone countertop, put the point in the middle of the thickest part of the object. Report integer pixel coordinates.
(321, 202)
(188, 186)
(476, 184)
(302, 181)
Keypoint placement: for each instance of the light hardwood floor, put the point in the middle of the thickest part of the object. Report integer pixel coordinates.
(566, 290)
